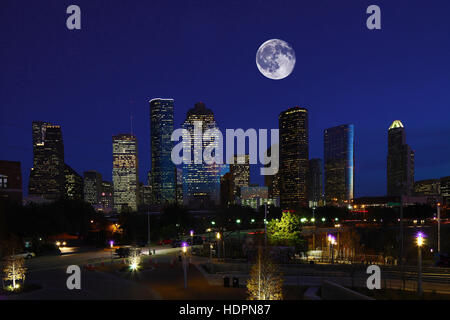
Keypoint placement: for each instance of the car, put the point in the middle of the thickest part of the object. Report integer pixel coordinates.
(122, 252)
(25, 255)
(176, 243)
(165, 241)
(196, 240)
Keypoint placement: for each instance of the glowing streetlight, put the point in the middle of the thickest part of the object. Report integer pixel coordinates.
(184, 245)
(238, 221)
(252, 220)
(420, 242)
(218, 235)
(323, 219)
(213, 223)
(332, 241)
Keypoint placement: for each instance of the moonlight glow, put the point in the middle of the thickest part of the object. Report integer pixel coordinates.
(275, 59)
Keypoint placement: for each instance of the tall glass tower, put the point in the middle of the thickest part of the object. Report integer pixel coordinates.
(294, 157)
(201, 181)
(125, 173)
(163, 169)
(339, 147)
(400, 162)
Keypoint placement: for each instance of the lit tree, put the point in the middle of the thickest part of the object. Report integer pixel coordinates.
(266, 282)
(134, 260)
(285, 231)
(14, 271)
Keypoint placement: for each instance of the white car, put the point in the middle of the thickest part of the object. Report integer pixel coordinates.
(25, 255)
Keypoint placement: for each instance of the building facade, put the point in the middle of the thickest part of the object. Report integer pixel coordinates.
(73, 184)
(294, 157)
(11, 181)
(429, 187)
(315, 183)
(107, 197)
(445, 190)
(125, 172)
(240, 172)
(201, 181)
(400, 162)
(47, 179)
(163, 169)
(339, 146)
(92, 187)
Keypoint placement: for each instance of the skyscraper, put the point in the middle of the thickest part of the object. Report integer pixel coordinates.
(74, 184)
(47, 179)
(107, 196)
(294, 157)
(272, 182)
(240, 172)
(179, 185)
(125, 172)
(163, 169)
(315, 185)
(226, 190)
(400, 162)
(201, 181)
(339, 146)
(92, 187)
(445, 190)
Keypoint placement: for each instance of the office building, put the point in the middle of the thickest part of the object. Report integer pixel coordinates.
(400, 162)
(125, 173)
(240, 172)
(11, 181)
(315, 185)
(92, 187)
(294, 157)
(73, 184)
(47, 179)
(201, 181)
(339, 146)
(163, 169)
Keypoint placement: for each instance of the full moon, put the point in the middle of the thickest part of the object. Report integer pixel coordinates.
(275, 59)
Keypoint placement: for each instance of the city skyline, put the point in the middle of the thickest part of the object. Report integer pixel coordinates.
(101, 99)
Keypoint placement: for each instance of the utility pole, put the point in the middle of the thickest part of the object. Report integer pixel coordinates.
(314, 232)
(265, 225)
(439, 228)
(148, 230)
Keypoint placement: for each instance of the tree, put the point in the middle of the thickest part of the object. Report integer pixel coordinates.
(266, 282)
(14, 271)
(285, 231)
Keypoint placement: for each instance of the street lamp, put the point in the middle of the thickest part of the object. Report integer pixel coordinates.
(332, 241)
(238, 222)
(192, 237)
(184, 246)
(420, 242)
(218, 244)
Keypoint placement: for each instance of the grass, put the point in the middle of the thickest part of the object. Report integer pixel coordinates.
(22, 289)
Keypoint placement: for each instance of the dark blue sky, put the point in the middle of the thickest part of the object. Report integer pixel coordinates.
(89, 81)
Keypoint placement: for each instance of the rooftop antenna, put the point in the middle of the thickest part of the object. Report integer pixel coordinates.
(131, 123)
(131, 115)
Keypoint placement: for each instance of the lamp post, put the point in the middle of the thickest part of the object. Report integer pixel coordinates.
(238, 222)
(111, 245)
(439, 228)
(420, 241)
(184, 264)
(218, 245)
(191, 233)
(332, 241)
(265, 225)
(313, 220)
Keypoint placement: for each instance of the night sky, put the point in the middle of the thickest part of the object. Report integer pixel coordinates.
(90, 80)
